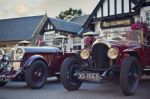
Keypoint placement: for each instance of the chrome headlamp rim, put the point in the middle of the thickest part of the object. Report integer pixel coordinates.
(19, 55)
(113, 53)
(85, 54)
(1, 53)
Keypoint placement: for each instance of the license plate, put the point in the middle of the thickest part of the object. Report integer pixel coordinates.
(89, 76)
(16, 65)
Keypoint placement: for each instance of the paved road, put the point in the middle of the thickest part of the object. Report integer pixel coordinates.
(54, 90)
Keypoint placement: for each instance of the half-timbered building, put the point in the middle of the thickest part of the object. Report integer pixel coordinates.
(118, 15)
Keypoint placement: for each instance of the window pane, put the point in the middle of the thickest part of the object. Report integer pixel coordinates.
(148, 17)
(147, 14)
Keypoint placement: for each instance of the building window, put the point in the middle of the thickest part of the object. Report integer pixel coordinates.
(77, 47)
(77, 40)
(148, 18)
(48, 38)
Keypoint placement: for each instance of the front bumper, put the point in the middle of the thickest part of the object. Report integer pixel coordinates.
(91, 73)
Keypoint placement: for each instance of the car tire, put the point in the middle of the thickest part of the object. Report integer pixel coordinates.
(36, 75)
(68, 68)
(130, 74)
(3, 83)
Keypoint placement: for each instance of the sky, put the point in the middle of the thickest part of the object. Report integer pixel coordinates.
(23, 8)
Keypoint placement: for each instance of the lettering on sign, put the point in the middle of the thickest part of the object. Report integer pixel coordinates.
(116, 23)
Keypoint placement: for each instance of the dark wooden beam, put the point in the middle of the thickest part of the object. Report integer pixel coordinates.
(115, 6)
(102, 10)
(146, 4)
(130, 8)
(60, 31)
(122, 4)
(50, 30)
(118, 16)
(95, 15)
(133, 1)
(108, 4)
(99, 5)
(139, 5)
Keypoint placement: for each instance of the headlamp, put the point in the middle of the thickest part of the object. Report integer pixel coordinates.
(85, 54)
(113, 53)
(19, 53)
(1, 53)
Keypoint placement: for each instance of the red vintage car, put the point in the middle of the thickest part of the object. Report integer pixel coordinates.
(121, 57)
(31, 64)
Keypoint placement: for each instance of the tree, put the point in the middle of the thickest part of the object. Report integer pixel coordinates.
(69, 14)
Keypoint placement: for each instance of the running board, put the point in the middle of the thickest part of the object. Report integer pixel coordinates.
(147, 68)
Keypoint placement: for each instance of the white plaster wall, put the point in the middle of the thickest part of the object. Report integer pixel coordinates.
(98, 30)
(126, 6)
(119, 8)
(137, 18)
(112, 6)
(99, 13)
(105, 8)
(70, 42)
(132, 5)
(128, 28)
(142, 12)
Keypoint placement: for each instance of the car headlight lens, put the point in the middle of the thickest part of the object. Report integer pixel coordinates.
(1, 53)
(85, 54)
(113, 53)
(19, 53)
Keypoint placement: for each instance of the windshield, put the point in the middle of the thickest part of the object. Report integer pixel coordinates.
(124, 36)
(59, 41)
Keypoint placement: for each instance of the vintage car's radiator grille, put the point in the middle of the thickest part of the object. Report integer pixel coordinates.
(99, 55)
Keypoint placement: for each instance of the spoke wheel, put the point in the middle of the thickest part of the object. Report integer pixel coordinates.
(68, 69)
(130, 75)
(36, 75)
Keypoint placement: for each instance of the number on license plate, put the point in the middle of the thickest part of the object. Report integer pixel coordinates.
(89, 76)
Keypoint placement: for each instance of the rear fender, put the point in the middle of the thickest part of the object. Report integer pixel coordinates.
(34, 58)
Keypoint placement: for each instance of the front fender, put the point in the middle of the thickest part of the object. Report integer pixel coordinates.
(77, 55)
(128, 52)
(33, 58)
(133, 52)
(122, 56)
